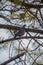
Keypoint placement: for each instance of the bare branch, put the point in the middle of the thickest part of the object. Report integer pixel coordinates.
(25, 37)
(13, 58)
(5, 18)
(32, 5)
(37, 58)
(10, 27)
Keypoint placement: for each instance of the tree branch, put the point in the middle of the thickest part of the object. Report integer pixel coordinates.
(32, 5)
(25, 37)
(10, 27)
(8, 20)
(13, 58)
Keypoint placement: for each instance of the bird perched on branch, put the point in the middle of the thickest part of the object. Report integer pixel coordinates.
(21, 32)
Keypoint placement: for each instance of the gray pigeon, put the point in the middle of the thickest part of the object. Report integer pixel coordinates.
(21, 32)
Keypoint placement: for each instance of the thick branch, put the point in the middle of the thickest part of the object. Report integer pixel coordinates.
(32, 5)
(11, 39)
(10, 27)
(13, 58)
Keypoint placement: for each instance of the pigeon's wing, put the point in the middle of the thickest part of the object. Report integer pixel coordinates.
(20, 32)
